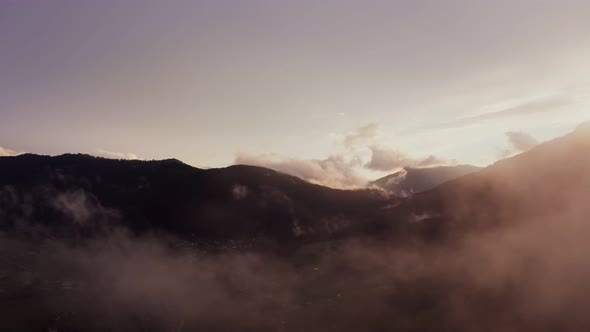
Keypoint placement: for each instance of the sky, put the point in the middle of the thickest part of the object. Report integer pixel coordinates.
(336, 92)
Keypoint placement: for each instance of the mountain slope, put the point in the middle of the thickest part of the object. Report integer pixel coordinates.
(548, 181)
(409, 180)
(80, 193)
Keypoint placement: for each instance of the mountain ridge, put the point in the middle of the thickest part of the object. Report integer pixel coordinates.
(546, 180)
(233, 202)
(412, 180)
(249, 201)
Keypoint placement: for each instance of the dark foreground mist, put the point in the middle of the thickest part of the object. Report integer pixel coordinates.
(524, 278)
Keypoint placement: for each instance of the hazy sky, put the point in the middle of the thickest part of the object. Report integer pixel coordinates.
(279, 82)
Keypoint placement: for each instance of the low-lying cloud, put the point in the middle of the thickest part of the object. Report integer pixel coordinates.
(521, 140)
(345, 169)
(334, 171)
(117, 155)
(362, 134)
(387, 160)
(383, 159)
(519, 278)
(7, 152)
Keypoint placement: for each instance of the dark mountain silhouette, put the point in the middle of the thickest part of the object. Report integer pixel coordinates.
(410, 180)
(85, 194)
(81, 194)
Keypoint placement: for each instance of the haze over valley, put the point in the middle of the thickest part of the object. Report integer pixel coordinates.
(294, 166)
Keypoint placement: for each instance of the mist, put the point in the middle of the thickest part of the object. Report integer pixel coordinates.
(294, 166)
(530, 275)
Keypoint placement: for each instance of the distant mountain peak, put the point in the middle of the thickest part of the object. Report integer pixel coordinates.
(411, 180)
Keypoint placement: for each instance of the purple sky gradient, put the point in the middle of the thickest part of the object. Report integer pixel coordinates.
(203, 81)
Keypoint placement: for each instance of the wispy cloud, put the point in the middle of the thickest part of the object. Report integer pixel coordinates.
(7, 152)
(384, 159)
(389, 159)
(361, 151)
(522, 141)
(117, 155)
(335, 171)
(550, 104)
(362, 134)
(536, 106)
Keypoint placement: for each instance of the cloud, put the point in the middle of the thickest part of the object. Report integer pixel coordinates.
(335, 171)
(7, 153)
(389, 159)
(364, 133)
(543, 105)
(117, 155)
(364, 149)
(81, 207)
(522, 141)
(433, 161)
(384, 159)
(540, 105)
(239, 192)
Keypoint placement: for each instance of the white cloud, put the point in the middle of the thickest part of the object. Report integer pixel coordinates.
(539, 105)
(7, 153)
(362, 134)
(364, 151)
(334, 171)
(390, 159)
(117, 155)
(386, 159)
(522, 141)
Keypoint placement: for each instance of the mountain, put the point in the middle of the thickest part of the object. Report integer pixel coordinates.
(409, 180)
(544, 183)
(502, 249)
(82, 194)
